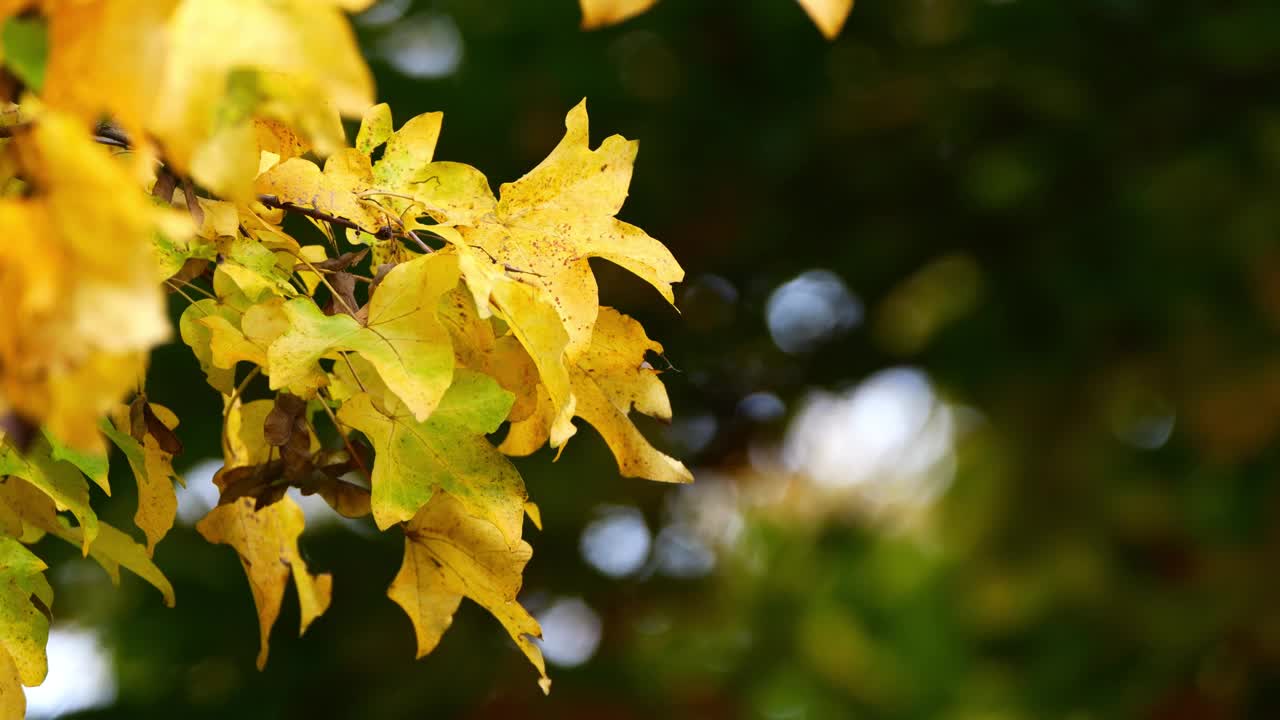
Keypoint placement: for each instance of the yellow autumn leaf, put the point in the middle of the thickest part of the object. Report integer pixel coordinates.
(535, 323)
(267, 543)
(13, 701)
(199, 336)
(828, 15)
(78, 310)
(449, 554)
(599, 13)
(294, 58)
(107, 59)
(244, 442)
(267, 539)
(24, 626)
(403, 337)
(247, 337)
(609, 380)
(548, 223)
(152, 471)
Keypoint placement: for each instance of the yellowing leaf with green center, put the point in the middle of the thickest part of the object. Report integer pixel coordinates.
(267, 543)
(199, 336)
(549, 222)
(61, 481)
(446, 452)
(610, 379)
(24, 626)
(375, 128)
(247, 337)
(403, 338)
(152, 471)
(449, 554)
(113, 549)
(255, 268)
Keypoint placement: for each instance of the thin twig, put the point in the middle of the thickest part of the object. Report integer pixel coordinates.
(231, 402)
(272, 201)
(345, 440)
(336, 295)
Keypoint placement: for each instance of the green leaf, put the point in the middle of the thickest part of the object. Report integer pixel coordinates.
(92, 464)
(447, 452)
(61, 481)
(403, 339)
(26, 49)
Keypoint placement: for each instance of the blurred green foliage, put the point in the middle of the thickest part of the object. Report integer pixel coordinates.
(1064, 212)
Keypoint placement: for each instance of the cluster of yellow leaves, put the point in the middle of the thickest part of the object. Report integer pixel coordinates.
(500, 323)
(828, 15)
(427, 315)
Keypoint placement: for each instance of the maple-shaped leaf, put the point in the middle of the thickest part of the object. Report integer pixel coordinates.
(402, 338)
(448, 452)
(407, 149)
(371, 195)
(267, 542)
(24, 624)
(152, 466)
(549, 222)
(449, 554)
(266, 538)
(609, 380)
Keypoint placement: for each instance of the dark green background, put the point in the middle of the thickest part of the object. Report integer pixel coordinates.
(1108, 170)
